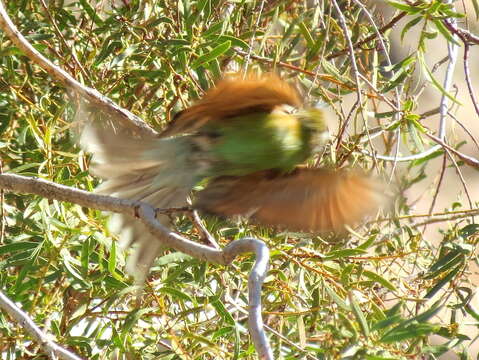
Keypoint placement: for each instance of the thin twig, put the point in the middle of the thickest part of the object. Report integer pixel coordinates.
(467, 38)
(469, 160)
(466, 130)
(266, 60)
(436, 217)
(439, 183)
(344, 27)
(465, 35)
(467, 73)
(452, 50)
(359, 44)
(397, 115)
(199, 223)
(250, 51)
(461, 177)
(53, 350)
(62, 38)
(3, 220)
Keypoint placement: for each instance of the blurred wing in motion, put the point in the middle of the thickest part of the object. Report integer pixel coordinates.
(157, 171)
(305, 200)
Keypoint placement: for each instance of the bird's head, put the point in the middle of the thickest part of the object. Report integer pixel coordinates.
(313, 120)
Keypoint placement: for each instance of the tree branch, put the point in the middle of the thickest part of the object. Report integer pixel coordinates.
(147, 215)
(128, 119)
(53, 350)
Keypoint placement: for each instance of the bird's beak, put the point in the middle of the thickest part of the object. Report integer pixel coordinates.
(320, 140)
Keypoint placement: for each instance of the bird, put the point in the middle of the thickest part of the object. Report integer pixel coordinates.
(248, 141)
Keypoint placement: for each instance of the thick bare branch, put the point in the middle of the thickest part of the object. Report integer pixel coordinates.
(147, 215)
(106, 104)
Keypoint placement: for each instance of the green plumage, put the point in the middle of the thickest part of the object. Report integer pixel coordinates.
(256, 142)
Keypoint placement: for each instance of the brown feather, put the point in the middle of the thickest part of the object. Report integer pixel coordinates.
(234, 96)
(307, 199)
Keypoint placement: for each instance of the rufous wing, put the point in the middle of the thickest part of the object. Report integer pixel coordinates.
(234, 96)
(314, 200)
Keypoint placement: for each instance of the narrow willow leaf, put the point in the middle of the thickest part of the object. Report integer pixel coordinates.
(475, 3)
(413, 331)
(404, 7)
(435, 82)
(469, 230)
(409, 25)
(390, 321)
(213, 54)
(425, 159)
(379, 279)
(176, 293)
(367, 244)
(445, 32)
(234, 41)
(336, 298)
(133, 317)
(67, 261)
(445, 263)
(443, 282)
(223, 312)
(112, 262)
(91, 12)
(358, 313)
(338, 254)
(307, 35)
(376, 357)
(18, 246)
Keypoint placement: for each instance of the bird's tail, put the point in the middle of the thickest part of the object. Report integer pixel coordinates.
(157, 171)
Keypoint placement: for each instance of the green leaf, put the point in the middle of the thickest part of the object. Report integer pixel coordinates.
(434, 81)
(404, 7)
(343, 253)
(368, 243)
(176, 293)
(412, 331)
(469, 230)
(475, 3)
(445, 32)
(375, 357)
(67, 261)
(409, 25)
(425, 159)
(379, 279)
(223, 312)
(359, 315)
(119, 59)
(112, 262)
(234, 41)
(443, 282)
(212, 55)
(390, 321)
(18, 246)
(307, 35)
(133, 317)
(336, 298)
(109, 47)
(91, 12)
(445, 263)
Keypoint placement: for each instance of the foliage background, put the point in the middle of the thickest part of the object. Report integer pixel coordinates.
(377, 293)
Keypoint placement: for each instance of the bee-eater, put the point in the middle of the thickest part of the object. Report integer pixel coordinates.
(246, 138)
